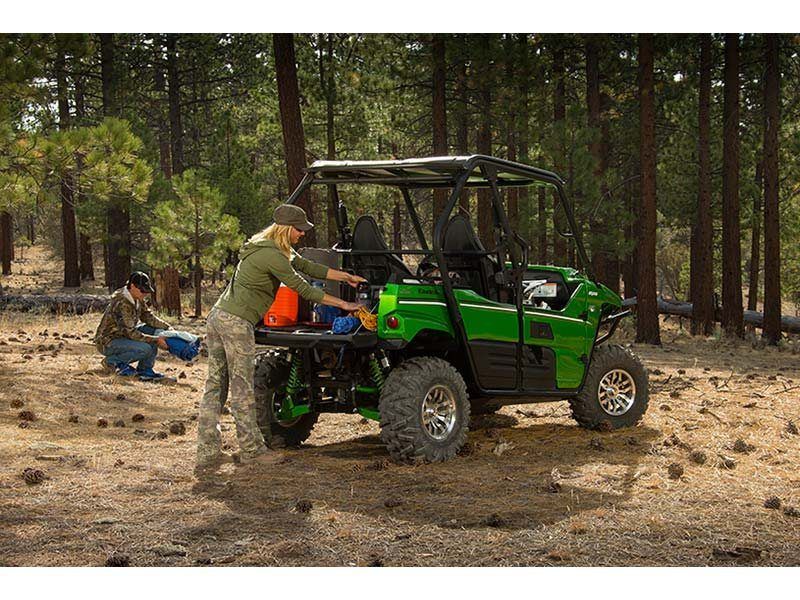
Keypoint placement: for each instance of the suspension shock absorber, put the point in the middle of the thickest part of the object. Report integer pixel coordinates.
(295, 381)
(376, 372)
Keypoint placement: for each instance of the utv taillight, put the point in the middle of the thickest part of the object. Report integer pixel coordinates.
(392, 322)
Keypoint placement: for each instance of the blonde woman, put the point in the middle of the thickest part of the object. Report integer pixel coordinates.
(267, 260)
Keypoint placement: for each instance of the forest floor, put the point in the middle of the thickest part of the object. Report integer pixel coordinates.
(710, 476)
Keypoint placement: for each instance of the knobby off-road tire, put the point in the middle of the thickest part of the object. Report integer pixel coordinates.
(430, 382)
(616, 364)
(271, 373)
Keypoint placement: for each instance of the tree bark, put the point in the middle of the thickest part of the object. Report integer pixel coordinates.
(168, 290)
(647, 324)
(485, 220)
(61, 303)
(559, 118)
(512, 132)
(439, 112)
(175, 124)
(772, 239)
(732, 322)
(328, 82)
(85, 258)
(755, 243)
(523, 144)
(6, 241)
(117, 215)
(161, 123)
(72, 276)
(168, 285)
(596, 227)
(462, 115)
(701, 284)
(294, 143)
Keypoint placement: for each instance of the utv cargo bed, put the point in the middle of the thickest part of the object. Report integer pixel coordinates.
(306, 336)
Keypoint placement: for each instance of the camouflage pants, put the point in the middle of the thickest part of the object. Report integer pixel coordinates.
(231, 351)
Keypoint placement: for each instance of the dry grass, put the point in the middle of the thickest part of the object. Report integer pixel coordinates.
(559, 496)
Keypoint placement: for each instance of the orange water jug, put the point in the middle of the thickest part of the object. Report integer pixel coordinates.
(284, 309)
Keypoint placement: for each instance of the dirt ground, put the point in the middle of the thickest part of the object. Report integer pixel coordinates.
(709, 477)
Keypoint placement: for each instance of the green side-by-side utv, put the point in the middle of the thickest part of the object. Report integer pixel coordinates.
(465, 331)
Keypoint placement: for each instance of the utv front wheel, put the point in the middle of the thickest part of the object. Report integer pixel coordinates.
(271, 373)
(615, 392)
(424, 411)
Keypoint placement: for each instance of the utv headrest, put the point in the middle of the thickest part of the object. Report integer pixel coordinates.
(367, 235)
(460, 235)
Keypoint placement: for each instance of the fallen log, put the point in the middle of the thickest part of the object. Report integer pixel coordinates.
(751, 317)
(76, 304)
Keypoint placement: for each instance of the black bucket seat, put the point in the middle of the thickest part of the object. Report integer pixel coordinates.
(380, 267)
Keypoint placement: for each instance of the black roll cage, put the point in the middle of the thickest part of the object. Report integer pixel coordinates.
(456, 173)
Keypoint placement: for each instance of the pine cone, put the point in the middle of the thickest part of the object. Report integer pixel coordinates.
(33, 476)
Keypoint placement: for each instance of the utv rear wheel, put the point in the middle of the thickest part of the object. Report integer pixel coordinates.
(271, 373)
(615, 392)
(424, 411)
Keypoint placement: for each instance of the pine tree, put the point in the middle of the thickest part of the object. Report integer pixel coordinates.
(194, 227)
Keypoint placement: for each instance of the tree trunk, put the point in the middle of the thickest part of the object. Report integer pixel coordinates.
(485, 220)
(168, 286)
(701, 285)
(175, 125)
(559, 118)
(512, 133)
(328, 82)
(439, 111)
(168, 290)
(294, 143)
(462, 116)
(72, 276)
(732, 322)
(85, 258)
(542, 215)
(772, 239)
(523, 145)
(755, 243)
(596, 227)
(647, 324)
(162, 126)
(752, 318)
(6, 241)
(117, 215)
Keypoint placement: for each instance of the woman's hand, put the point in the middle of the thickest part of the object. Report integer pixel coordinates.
(348, 278)
(350, 307)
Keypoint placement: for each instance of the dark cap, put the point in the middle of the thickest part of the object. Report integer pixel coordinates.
(289, 214)
(141, 281)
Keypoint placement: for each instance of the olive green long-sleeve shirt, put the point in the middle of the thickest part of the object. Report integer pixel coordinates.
(261, 270)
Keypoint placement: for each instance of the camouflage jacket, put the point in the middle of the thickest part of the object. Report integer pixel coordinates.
(121, 317)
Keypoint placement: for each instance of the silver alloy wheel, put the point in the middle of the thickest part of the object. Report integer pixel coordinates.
(616, 392)
(439, 412)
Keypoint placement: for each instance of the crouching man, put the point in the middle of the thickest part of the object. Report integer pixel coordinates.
(122, 339)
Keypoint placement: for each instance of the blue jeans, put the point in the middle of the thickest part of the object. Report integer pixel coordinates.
(124, 350)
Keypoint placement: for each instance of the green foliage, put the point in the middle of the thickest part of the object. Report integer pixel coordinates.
(192, 225)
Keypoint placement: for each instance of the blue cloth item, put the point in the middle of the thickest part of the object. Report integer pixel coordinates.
(326, 314)
(182, 344)
(184, 350)
(345, 324)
